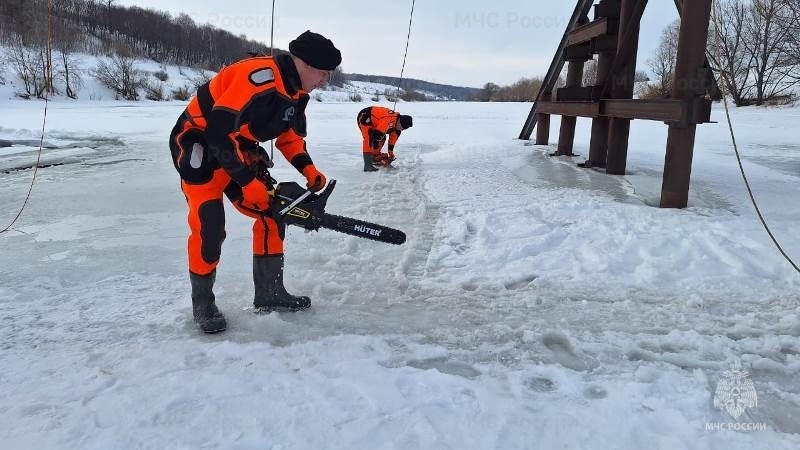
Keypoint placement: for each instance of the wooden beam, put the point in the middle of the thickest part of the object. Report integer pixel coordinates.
(672, 111)
(578, 94)
(660, 110)
(695, 16)
(542, 129)
(580, 52)
(620, 83)
(627, 46)
(566, 136)
(710, 79)
(579, 109)
(543, 122)
(591, 30)
(606, 46)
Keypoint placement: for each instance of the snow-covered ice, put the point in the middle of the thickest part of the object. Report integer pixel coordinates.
(534, 305)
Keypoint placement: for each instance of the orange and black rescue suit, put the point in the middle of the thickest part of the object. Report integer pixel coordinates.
(375, 122)
(215, 143)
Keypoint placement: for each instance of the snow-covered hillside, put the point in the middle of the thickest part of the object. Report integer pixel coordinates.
(181, 77)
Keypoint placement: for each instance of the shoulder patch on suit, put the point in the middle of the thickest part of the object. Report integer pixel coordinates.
(262, 76)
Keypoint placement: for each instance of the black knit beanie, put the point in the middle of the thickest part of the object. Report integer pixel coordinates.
(405, 121)
(316, 50)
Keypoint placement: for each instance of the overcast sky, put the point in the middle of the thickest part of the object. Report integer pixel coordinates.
(466, 42)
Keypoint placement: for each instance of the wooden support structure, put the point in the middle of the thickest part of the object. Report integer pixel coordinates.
(614, 36)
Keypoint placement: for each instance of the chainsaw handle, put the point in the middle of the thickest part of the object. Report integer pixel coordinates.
(327, 191)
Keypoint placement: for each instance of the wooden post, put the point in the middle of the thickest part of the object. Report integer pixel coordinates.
(622, 88)
(598, 145)
(543, 123)
(686, 86)
(566, 136)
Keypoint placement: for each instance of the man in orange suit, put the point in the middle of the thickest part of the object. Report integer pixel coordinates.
(375, 122)
(215, 150)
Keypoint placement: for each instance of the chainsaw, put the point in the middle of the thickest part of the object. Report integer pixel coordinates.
(295, 205)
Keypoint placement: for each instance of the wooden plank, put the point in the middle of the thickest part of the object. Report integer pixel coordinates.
(579, 109)
(671, 111)
(586, 33)
(579, 94)
(660, 110)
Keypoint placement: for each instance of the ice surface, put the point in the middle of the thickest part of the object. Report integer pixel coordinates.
(535, 304)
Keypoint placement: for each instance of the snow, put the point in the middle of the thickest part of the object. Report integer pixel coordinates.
(534, 305)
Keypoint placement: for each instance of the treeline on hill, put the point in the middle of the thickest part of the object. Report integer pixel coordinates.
(99, 27)
(524, 90)
(103, 28)
(412, 87)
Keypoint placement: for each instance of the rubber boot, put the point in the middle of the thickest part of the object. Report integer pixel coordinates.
(368, 163)
(206, 314)
(270, 293)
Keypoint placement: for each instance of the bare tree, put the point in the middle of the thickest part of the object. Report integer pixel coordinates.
(67, 42)
(70, 74)
(765, 41)
(30, 66)
(729, 51)
(789, 18)
(120, 76)
(487, 92)
(662, 64)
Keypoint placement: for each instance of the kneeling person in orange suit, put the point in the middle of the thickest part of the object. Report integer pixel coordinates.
(375, 122)
(215, 150)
